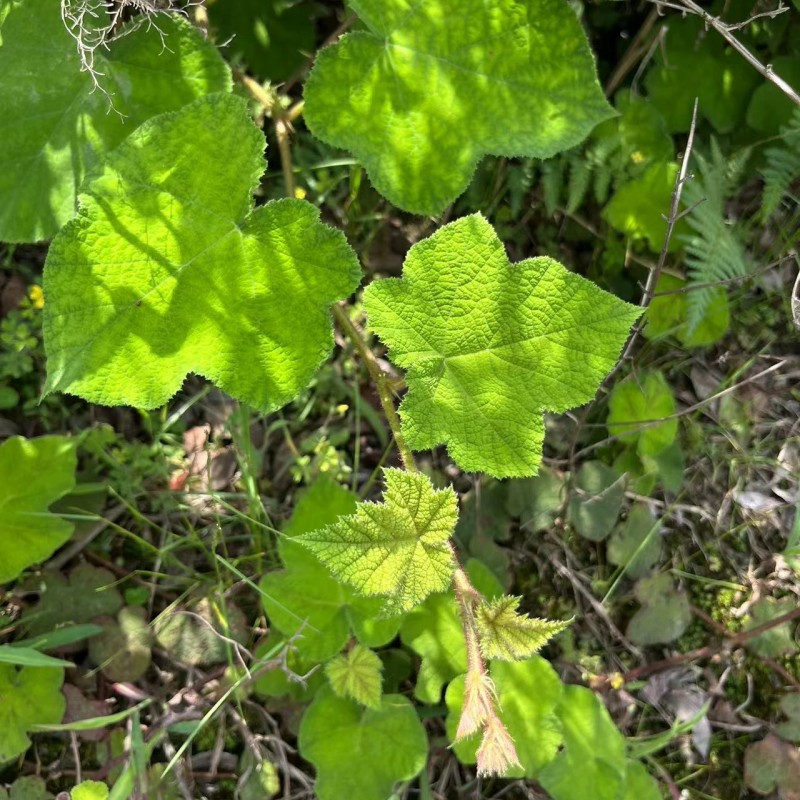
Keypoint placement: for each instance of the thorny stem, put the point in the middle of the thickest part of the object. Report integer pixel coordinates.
(672, 220)
(729, 642)
(652, 279)
(726, 31)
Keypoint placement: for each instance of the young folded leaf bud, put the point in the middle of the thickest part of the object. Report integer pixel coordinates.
(478, 703)
(497, 753)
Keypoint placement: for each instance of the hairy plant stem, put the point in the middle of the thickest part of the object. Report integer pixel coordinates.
(467, 596)
(381, 381)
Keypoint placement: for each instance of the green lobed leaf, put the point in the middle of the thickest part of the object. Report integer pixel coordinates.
(434, 632)
(89, 790)
(489, 345)
(359, 753)
(769, 106)
(773, 764)
(168, 267)
(28, 696)
(399, 549)
(665, 613)
(279, 681)
(691, 65)
(635, 406)
(262, 779)
(82, 712)
(430, 88)
(537, 501)
(790, 707)
(639, 783)
(776, 642)
(529, 692)
(200, 635)
(26, 787)
(122, 650)
(56, 126)
(88, 593)
(636, 543)
(325, 618)
(510, 636)
(595, 502)
(638, 207)
(592, 763)
(667, 315)
(33, 474)
(357, 675)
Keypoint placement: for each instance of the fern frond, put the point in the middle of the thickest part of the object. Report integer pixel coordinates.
(782, 168)
(714, 251)
(580, 175)
(552, 181)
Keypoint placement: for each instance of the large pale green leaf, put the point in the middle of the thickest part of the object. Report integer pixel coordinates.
(634, 408)
(593, 762)
(29, 696)
(361, 753)
(55, 125)
(167, 267)
(325, 616)
(33, 474)
(488, 345)
(399, 549)
(529, 692)
(431, 87)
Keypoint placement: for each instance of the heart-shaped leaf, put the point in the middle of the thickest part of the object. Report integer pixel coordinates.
(33, 474)
(431, 87)
(29, 696)
(361, 753)
(168, 267)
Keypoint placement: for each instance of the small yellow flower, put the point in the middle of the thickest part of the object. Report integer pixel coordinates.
(497, 753)
(299, 192)
(342, 409)
(36, 296)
